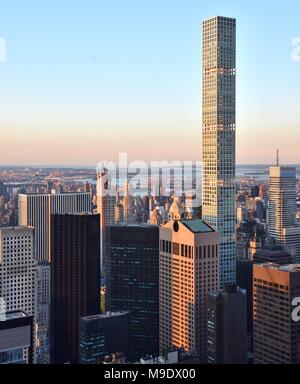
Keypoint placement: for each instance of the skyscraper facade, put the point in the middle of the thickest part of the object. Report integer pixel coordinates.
(103, 334)
(188, 272)
(18, 270)
(36, 210)
(75, 280)
(218, 136)
(133, 283)
(227, 326)
(106, 207)
(17, 338)
(282, 209)
(276, 336)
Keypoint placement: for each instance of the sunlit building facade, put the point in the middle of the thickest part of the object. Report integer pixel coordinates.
(188, 272)
(218, 137)
(282, 209)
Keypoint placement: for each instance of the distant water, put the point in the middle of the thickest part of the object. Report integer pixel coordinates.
(256, 171)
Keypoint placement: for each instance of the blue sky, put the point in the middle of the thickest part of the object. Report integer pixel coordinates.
(85, 80)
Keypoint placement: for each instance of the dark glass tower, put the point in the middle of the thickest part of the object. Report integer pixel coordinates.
(227, 326)
(133, 283)
(103, 334)
(75, 280)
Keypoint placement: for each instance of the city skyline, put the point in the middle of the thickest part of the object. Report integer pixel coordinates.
(151, 256)
(113, 77)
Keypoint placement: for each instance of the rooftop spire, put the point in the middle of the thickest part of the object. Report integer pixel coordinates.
(277, 158)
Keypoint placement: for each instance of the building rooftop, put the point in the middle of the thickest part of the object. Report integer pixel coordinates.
(284, 268)
(272, 252)
(133, 225)
(104, 315)
(197, 226)
(54, 193)
(15, 315)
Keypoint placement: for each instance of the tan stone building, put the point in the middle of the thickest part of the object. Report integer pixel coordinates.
(189, 270)
(276, 336)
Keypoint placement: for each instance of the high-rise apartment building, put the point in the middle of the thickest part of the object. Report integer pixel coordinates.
(227, 326)
(188, 272)
(276, 336)
(282, 209)
(103, 334)
(75, 280)
(218, 137)
(133, 283)
(18, 271)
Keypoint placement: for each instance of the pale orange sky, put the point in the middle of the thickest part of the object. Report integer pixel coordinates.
(129, 80)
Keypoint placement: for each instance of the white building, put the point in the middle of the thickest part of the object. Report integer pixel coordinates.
(36, 210)
(18, 270)
(282, 209)
(218, 133)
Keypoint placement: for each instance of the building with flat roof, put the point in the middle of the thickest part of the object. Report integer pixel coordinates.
(103, 334)
(75, 280)
(219, 136)
(16, 338)
(227, 326)
(276, 336)
(282, 209)
(133, 283)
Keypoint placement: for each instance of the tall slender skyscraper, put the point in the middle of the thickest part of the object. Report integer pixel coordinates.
(218, 139)
(282, 209)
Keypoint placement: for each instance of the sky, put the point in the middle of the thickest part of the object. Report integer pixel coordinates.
(84, 80)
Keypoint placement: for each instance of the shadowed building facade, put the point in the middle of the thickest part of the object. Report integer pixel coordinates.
(103, 334)
(133, 283)
(75, 280)
(227, 326)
